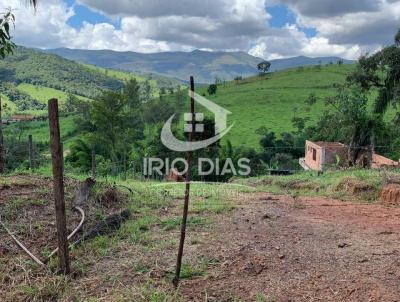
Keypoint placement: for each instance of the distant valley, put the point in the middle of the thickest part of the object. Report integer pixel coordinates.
(205, 66)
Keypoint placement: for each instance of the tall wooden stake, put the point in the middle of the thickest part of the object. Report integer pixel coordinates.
(187, 192)
(58, 183)
(2, 160)
(30, 146)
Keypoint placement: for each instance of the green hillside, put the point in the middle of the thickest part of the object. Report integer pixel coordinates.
(271, 101)
(34, 67)
(274, 100)
(43, 94)
(29, 78)
(156, 81)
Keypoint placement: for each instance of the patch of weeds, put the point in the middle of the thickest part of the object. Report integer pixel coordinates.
(38, 226)
(80, 267)
(14, 206)
(141, 268)
(212, 205)
(46, 252)
(175, 222)
(112, 278)
(150, 294)
(38, 202)
(153, 200)
(191, 270)
(42, 191)
(100, 245)
(165, 244)
(99, 215)
(48, 288)
(136, 230)
(260, 297)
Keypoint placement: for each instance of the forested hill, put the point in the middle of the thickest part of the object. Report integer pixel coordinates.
(40, 69)
(205, 66)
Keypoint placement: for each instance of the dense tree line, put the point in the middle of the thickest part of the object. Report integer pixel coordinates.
(21, 99)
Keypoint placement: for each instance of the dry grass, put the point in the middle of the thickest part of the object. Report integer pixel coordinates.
(134, 264)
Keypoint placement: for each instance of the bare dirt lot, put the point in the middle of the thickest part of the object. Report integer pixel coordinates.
(312, 249)
(267, 248)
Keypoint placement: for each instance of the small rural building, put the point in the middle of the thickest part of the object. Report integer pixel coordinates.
(321, 155)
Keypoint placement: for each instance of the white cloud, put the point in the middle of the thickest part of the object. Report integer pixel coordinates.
(360, 27)
(329, 8)
(352, 28)
(290, 41)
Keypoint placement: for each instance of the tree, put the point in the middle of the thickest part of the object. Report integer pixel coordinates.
(6, 21)
(264, 67)
(145, 92)
(380, 72)
(212, 89)
(350, 110)
(6, 45)
(397, 38)
(238, 79)
(158, 111)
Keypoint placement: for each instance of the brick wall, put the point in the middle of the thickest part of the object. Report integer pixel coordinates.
(314, 156)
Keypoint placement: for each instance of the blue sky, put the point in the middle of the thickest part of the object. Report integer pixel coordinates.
(265, 28)
(84, 14)
(281, 15)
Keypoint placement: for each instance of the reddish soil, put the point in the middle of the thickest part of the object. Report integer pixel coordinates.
(311, 249)
(308, 249)
(390, 194)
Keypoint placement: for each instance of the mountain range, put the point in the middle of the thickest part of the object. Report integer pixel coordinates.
(205, 66)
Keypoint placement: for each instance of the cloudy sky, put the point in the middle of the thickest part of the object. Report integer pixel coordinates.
(264, 28)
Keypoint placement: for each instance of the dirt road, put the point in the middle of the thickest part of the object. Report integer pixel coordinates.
(273, 248)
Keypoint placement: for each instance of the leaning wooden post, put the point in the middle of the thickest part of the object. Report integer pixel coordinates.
(30, 150)
(58, 183)
(187, 190)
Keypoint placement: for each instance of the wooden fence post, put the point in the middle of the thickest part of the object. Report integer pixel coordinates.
(30, 146)
(58, 183)
(2, 159)
(187, 191)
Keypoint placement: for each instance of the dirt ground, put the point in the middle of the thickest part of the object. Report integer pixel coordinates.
(26, 207)
(311, 249)
(268, 248)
